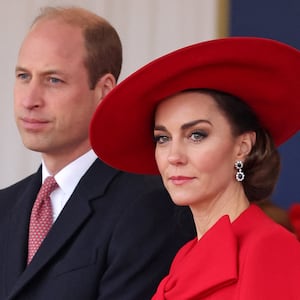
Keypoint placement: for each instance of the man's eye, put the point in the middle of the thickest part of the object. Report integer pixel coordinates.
(22, 76)
(54, 80)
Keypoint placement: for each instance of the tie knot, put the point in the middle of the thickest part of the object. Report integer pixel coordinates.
(49, 185)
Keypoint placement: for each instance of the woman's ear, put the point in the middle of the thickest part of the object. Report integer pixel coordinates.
(245, 144)
(104, 85)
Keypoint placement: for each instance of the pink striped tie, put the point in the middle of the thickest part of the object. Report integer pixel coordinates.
(41, 218)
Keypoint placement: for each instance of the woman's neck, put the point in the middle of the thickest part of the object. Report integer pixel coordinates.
(207, 214)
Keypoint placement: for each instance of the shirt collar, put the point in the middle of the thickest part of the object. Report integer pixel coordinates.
(68, 178)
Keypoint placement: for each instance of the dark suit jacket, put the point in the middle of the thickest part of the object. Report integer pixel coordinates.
(114, 239)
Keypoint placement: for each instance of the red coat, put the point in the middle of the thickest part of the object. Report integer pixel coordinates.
(252, 258)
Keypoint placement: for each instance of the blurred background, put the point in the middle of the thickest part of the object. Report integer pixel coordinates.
(148, 29)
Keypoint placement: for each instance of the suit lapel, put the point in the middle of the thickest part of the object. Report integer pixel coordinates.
(17, 233)
(75, 213)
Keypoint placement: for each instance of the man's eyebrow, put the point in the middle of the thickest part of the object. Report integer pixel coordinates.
(46, 72)
(19, 68)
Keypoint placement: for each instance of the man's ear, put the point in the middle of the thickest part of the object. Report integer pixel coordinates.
(245, 144)
(104, 85)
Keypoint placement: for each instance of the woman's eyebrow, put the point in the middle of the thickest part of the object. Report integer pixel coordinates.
(193, 123)
(183, 126)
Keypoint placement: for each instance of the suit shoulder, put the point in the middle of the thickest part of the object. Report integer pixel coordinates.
(19, 185)
(10, 194)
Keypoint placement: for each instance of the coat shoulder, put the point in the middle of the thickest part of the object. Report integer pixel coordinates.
(9, 195)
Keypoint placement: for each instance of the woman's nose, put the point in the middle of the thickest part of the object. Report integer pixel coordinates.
(176, 155)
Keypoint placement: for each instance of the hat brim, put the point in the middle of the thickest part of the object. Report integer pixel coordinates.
(262, 72)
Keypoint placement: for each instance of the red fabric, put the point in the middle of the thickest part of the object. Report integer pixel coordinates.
(41, 218)
(251, 259)
(294, 214)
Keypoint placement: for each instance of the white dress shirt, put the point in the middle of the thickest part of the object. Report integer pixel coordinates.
(67, 180)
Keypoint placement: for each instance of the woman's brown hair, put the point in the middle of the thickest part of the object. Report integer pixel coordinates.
(262, 165)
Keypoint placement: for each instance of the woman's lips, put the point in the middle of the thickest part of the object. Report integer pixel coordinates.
(179, 180)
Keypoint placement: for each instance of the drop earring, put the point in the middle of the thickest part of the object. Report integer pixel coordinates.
(239, 176)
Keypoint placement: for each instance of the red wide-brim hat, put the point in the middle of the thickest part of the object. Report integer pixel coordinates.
(262, 72)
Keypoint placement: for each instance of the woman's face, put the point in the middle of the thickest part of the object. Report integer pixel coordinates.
(195, 149)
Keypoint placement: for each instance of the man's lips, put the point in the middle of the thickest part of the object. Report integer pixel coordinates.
(33, 124)
(178, 180)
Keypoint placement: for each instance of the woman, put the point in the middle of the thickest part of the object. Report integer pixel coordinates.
(217, 110)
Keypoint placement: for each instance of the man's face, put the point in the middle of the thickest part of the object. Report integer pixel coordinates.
(53, 103)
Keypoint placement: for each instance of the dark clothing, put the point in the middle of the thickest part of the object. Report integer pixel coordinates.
(114, 240)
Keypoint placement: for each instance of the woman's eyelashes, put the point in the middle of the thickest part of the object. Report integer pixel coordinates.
(198, 135)
(160, 138)
(195, 136)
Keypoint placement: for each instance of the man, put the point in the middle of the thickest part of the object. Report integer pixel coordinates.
(112, 234)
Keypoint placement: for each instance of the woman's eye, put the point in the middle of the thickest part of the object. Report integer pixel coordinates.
(160, 139)
(198, 135)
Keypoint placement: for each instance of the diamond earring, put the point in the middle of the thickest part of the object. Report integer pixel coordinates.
(239, 176)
